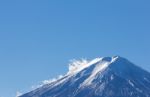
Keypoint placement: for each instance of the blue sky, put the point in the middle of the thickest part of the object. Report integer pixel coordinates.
(39, 37)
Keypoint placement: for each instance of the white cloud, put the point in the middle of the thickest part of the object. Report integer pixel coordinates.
(18, 94)
(52, 80)
(77, 65)
(49, 81)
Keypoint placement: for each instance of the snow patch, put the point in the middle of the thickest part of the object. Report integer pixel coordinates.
(139, 90)
(99, 68)
(131, 83)
(102, 64)
(112, 77)
(146, 79)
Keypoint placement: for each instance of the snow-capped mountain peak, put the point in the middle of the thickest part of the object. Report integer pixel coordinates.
(101, 77)
(78, 65)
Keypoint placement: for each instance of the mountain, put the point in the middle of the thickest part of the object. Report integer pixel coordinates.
(101, 77)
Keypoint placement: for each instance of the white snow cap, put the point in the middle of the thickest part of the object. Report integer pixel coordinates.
(78, 65)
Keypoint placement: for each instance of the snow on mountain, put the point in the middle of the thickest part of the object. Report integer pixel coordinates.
(101, 77)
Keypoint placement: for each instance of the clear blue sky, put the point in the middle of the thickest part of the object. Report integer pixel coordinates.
(39, 37)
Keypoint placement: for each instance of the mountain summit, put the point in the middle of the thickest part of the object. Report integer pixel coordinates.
(101, 77)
